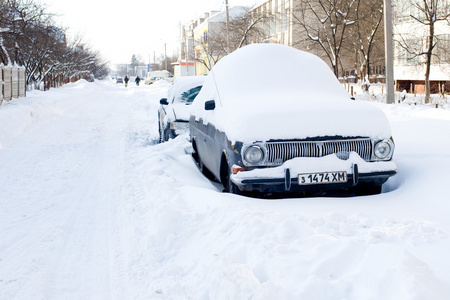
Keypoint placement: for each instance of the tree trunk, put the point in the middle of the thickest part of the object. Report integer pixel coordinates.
(428, 63)
(427, 78)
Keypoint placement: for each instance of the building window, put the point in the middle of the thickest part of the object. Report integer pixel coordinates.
(407, 58)
(442, 53)
(272, 25)
(286, 20)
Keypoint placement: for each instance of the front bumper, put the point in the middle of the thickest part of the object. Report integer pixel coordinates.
(285, 178)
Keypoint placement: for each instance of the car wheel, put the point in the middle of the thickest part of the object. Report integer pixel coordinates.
(194, 152)
(204, 169)
(167, 134)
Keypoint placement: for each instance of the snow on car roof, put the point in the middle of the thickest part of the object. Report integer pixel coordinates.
(183, 84)
(269, 70)
(272, 91)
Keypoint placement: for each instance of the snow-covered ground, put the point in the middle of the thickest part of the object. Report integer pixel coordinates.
(91, 207)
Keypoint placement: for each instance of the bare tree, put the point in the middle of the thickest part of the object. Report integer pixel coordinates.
(242, 26)
(17, 18)
(164, 60)
(325, 24)
(39, 53)
(420, 41)
(369, 21)
(214, 51)
(29, 38)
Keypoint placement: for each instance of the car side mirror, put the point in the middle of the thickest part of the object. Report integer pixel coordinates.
(163, 101)
(210, 105)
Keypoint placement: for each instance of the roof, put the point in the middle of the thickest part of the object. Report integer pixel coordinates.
(233, 12)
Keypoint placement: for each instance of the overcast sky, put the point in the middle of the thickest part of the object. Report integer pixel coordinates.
(119, 29)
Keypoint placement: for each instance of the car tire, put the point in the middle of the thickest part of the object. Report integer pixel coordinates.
(204, 169)
(194, 151)
(165, 135)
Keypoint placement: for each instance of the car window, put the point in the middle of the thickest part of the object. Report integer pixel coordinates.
(188, 96)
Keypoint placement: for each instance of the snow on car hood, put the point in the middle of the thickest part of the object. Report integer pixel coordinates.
(181, 111)
(272, 91)
(310, 119)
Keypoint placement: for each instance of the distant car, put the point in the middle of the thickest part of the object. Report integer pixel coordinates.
(174, 112)
(299, 132)
(119, 80)
(154, 76)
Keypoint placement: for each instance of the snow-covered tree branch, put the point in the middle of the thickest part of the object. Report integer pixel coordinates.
(29, 38)
(421, 39)
(325, 24)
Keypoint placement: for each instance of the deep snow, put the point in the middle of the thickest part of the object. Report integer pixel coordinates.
(92, 208)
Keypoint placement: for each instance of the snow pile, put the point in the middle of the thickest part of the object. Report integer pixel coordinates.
(91, 207)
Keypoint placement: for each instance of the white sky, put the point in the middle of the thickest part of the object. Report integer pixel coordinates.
(119, 29)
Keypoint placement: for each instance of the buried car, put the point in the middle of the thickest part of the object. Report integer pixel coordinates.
(300, 132)
(174, 112)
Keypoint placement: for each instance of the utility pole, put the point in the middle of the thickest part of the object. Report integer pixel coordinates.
(228, 27)
(165, 56)
(389, 55)
(186, 56)
(149, 62)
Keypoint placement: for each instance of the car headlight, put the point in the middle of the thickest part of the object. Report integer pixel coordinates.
(382, 150)
(253, 154)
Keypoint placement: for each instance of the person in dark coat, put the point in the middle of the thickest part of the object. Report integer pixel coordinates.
(126, 80)
(137, 80)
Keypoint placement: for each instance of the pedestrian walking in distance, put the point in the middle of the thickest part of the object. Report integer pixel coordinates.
(126, 80)
(137, 80)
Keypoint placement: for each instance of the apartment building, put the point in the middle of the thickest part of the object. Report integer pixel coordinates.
(412, 37)
(275, 25)
(203, 39)
(284, 22)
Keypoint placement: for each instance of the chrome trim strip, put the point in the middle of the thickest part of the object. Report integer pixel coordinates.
(279, 152)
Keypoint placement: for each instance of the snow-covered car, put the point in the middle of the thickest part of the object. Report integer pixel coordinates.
(300, 132)
(119, 80)
(155, 76)
(174, 111)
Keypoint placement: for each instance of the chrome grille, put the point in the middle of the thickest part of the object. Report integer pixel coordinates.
(279, 152)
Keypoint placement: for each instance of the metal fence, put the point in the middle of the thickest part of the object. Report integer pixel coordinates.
(13, 83)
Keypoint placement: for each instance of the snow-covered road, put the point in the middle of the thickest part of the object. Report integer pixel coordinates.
(91, 207)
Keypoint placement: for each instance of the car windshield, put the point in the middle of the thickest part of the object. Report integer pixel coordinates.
(188, 96)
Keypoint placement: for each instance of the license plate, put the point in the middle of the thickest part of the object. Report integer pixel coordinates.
(322, 178)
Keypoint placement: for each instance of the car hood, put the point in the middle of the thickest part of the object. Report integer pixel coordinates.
(308, 119)
(181, 111)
